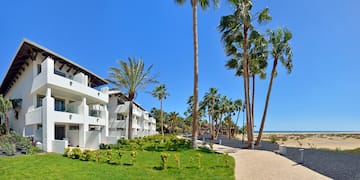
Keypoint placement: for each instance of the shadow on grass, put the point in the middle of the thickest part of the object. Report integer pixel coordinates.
(205, 150)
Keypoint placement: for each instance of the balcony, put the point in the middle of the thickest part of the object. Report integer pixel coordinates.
(33, 117)
(76, 86)
(124, 108)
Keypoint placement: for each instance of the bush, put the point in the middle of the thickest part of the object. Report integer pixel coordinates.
(86, 155)
(164, 160)
(9, 149)
(104, 146)
(177, 160)
(273, 138)
(67, 152)
(123, 141)
(76, 153)
(133, 157)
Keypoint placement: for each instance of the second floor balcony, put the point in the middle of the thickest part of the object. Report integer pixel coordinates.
(77, 85)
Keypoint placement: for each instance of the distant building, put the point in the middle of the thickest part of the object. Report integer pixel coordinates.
(61, 103)
(143, 123)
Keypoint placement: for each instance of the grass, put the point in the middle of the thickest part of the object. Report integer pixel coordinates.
(147, 166)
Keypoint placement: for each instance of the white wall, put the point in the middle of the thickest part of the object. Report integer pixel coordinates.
(20, 90)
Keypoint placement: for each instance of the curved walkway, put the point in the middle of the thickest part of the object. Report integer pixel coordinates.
(258, 164)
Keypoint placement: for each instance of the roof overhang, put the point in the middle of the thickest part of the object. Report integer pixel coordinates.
(28, 51)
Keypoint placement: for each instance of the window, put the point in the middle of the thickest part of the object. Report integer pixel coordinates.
(120, 117)
(59, 105)
(57, 72)
(38, 68)
(39, 99)
(120, 102)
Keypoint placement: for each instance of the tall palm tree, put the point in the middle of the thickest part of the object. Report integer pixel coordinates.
(238, 35)
(280, 50)
(160, 93)
(131, 77)
(5, 106)
(204, 4)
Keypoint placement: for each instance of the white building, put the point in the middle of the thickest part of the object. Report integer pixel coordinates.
(143, 123)
(59, 102)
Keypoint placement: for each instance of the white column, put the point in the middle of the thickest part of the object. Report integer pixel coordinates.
(84, 127)
(47, 121)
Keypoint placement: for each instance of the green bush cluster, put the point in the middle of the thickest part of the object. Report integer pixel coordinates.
(110, 156)
(12, 141)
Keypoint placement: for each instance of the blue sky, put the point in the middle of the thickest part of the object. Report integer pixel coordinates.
(322, 92)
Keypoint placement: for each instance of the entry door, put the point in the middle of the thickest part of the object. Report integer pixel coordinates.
(59, 132)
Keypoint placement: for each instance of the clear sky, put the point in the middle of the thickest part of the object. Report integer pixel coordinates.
(322, 92)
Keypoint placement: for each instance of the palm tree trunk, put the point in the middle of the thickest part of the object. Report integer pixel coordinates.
(195, 113)
(253, 96)
(219, 126)
(212, 118)
(237, 120)
(246, 87)
(211, 129)
(266, 103)
(161, 118)
(130, 135)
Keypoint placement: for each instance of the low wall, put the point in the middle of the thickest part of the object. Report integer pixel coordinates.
(93, 139)
(112, 139)
(58, 146)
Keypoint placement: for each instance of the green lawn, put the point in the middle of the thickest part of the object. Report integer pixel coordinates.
(55, 166)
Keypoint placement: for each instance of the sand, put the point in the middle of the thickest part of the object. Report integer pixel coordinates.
(333, 141)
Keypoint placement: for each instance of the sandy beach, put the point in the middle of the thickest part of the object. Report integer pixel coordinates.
(333, 141)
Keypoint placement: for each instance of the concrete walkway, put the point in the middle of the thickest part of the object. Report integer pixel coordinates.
(257, 164)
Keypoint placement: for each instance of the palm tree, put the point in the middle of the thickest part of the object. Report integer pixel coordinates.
(5, 106)
(238, 105)
(238, 36)
(210, 99)
(173, 117)
(280, 50)
(204, 5)
(160, 93)
(131, 77)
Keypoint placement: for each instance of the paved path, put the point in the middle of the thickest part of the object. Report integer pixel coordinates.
(259, 164)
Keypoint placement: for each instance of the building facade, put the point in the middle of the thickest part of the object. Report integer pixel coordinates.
(143, 123)
(58, 102)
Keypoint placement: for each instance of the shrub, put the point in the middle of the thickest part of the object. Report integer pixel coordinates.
(66, 152)
(273, 138)
(133, 157)
(34, 150)
(120, 154)
(284, 138)
(98, 156)
(177, 160)
(76, 153)
(110, 159)
(9, 149)
(85, 156)
(104, 146)
(198, 158)
(123, 141)
(164, 160)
